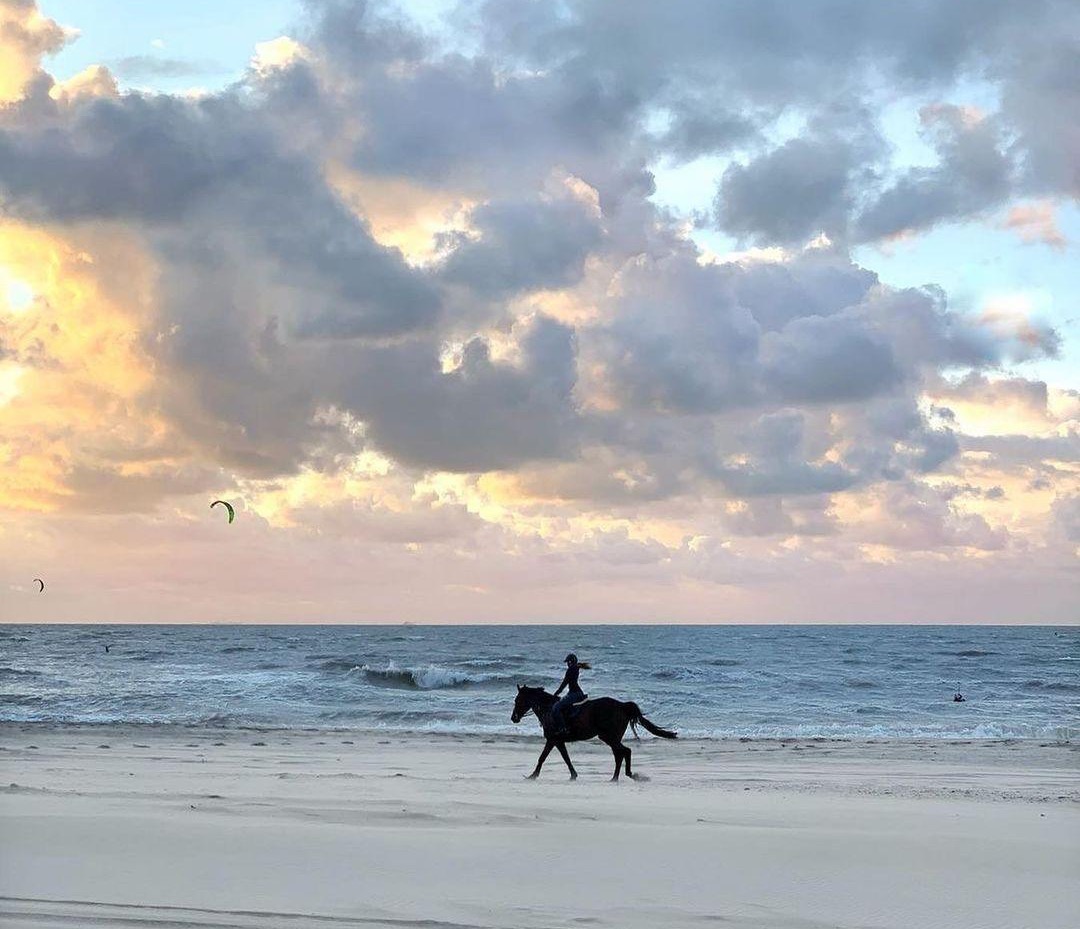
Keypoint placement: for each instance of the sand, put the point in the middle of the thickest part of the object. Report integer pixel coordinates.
(133, 827)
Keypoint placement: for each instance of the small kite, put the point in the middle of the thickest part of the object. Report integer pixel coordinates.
(228, 506)
(41, 585)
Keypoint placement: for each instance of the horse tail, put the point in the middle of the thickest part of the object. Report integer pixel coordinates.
(636, 716)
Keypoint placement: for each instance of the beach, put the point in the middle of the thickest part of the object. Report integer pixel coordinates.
(171, 826)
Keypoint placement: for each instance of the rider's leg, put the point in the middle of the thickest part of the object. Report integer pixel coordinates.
(558, 714)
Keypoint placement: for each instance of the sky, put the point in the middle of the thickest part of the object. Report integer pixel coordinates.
(517, 311)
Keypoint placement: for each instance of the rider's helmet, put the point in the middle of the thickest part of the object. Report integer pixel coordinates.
(571, 658)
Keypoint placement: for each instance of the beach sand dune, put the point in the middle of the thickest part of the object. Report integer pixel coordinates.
(124, 826)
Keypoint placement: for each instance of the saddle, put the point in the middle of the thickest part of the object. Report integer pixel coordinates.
(569, 713)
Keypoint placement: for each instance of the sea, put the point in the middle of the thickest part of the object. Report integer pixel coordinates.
(709, 682)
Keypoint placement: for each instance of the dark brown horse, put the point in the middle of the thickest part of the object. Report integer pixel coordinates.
(604, 719)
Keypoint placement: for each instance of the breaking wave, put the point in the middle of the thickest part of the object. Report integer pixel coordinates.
(429, 677)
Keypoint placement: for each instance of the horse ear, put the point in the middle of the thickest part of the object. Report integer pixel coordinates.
(521, 686)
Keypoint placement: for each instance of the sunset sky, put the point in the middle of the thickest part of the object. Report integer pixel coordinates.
(502, 311)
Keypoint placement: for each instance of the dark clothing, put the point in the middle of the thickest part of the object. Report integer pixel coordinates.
(562, 707)
(570, 680)
(573, 695)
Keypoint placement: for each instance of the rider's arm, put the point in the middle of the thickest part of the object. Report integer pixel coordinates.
(565, 681)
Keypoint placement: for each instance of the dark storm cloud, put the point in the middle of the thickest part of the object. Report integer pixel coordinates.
(677, 341)
(789, 194)
(762, 59)
(692, 338)
(479, 416)
(828, 359)
(520, 245)
(973, 175)
(459, 121)
(771, 51)
(280, 316)
(704, 127)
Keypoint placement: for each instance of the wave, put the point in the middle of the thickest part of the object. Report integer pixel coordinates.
(339, 664)
(854, 731)
(429, 677)
(1061, 687)
(17, 674)
(968, 653)
(416, 719)
(233, 649)
(860, 685)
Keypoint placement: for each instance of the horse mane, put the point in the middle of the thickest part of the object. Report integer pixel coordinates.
(540, 692)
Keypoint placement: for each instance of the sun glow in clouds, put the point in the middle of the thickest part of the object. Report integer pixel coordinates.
(18, 295)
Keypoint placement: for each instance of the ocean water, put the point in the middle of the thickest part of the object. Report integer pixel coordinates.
(708, 682)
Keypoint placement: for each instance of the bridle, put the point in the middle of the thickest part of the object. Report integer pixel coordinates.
(517, 716)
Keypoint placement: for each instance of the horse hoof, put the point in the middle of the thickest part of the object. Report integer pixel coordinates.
(531, 777)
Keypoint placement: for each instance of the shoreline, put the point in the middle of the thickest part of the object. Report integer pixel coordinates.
(521, 734)
(1026, 770)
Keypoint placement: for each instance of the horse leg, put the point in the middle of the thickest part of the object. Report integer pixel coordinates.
(626, 758)
(566, 757)
(543, 757)
(616, 750)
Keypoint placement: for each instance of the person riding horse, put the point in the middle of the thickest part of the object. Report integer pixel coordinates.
(574, 695)
(602, 718)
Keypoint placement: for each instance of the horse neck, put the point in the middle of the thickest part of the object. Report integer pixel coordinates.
(542, 704)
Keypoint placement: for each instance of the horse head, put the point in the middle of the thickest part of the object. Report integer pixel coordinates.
(525, 702)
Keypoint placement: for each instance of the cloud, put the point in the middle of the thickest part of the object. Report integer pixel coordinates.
(521, 245)
(26, 36)
(974, 175)
(805, 186)
(153, 67)
(775, 58)
(482, 415)
(418, 308)
(1035, 222)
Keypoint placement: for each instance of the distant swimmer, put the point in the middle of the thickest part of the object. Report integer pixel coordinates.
(106, 649)
(41, 585)
(958, 697)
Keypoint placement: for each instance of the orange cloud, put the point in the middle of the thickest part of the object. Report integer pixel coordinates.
(25, 37)
(82, 371)
(1036, 223)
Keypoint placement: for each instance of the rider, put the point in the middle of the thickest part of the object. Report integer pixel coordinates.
(573, 694)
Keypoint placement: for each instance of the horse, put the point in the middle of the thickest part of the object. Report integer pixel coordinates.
(603, 718)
